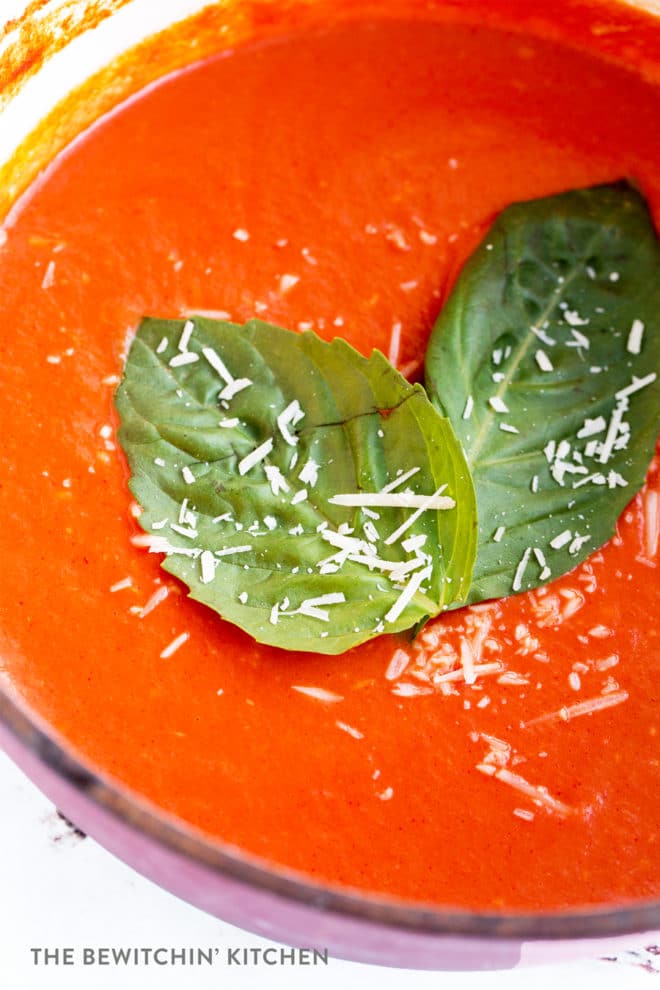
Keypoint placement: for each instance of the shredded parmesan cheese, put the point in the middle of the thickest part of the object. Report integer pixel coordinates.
(208, 564)
(289, 417)
(582, 708)
(187, 357)
(174, 645)
(400, 500)
(320, 694)
(561, 539)
(634, 344)
(255, 456)
(159, 595)
(126, 582)
(520, 570)
(537, 794)
(350, 730)
(397, 665)
(408, 594)
(399, 480)
(543, 361)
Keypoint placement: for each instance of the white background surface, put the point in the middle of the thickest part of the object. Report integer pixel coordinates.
(59, 890)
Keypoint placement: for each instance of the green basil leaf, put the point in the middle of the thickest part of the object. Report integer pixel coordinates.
(248, 527)
(545, 360)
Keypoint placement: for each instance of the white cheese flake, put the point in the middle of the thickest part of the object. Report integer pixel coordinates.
(255, 456)
(229, 551)
(162, 346)
(582, 708)
(240, 234)
(549, 451)
(498, 404)
(613, 431)
(577, 543)
(579, 340)
(287, 282)
(355, 733)
(49, 275)
(395, 344)
(635, 385)
(289, 417)
(408, 594)
(300, 496)
(176, 644)
(320, 694)
(309, 473)
(218, 364)
(469, 406)
(187, 475)
(126, 582)
(399, 480)
(591, 427)
(401, 500)
(414, 543)
(208, 565)
(371, 532)
(520, 570)
(615, 480)
(188, 357)
(508, 428)
(313, 607)
(559, 541)
(467, 662)
(233, 388)
(543, 336)
(574, 319)
(187, 531)
(412, 519)
(634, 343)
(499, 533)
(186, 517)
(186, 334)
(159, 595)
(397, 665)
(276, 479)
(543, 361)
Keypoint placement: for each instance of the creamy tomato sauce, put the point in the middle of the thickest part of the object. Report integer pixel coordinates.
(365, 161)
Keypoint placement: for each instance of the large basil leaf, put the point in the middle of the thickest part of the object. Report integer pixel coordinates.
(253, 530)
(545, 360)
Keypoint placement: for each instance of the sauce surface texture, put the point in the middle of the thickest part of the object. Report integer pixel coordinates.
(365, 162)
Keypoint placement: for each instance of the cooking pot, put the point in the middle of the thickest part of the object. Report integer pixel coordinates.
(62, 64)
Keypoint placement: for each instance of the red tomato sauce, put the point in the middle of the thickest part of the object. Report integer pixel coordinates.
(365, 160)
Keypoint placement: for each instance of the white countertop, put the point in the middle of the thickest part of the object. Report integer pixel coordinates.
(58, 890)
